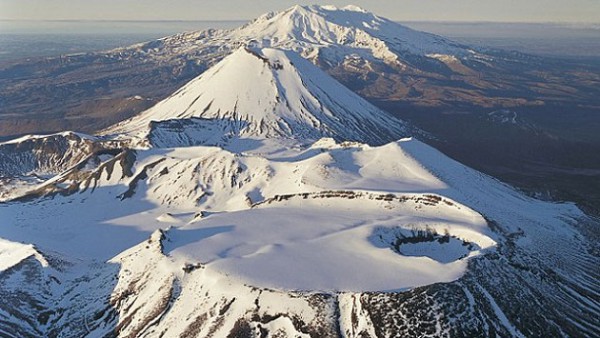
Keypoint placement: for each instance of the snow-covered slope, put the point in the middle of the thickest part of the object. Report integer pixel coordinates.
(267, 93)
(239, 227)
(223, 212)
(245, 213)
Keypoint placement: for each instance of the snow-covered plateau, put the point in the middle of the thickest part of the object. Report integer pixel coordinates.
(264, 199)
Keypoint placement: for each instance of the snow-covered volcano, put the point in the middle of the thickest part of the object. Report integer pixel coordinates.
(312, 28)
(265, 93)
(326, 35)
(199, 240)
(192, 237)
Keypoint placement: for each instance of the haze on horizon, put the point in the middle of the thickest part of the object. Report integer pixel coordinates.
(574, 11)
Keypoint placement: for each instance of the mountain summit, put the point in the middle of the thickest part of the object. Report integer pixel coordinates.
(313, 29)
(268, 93)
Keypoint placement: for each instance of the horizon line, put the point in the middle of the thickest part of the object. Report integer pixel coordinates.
(245, 20)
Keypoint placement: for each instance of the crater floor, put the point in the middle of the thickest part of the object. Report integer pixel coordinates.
(334, 241)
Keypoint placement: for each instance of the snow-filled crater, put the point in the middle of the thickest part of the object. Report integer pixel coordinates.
(336, 241)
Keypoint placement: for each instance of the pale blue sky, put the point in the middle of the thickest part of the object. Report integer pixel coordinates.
(587, 11)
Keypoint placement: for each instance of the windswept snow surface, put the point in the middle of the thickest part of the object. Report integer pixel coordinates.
(326, 242)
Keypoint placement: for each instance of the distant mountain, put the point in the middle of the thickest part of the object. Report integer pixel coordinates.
(330, 34)
(326, 35)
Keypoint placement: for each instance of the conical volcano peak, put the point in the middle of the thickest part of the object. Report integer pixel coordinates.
(271, 93)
